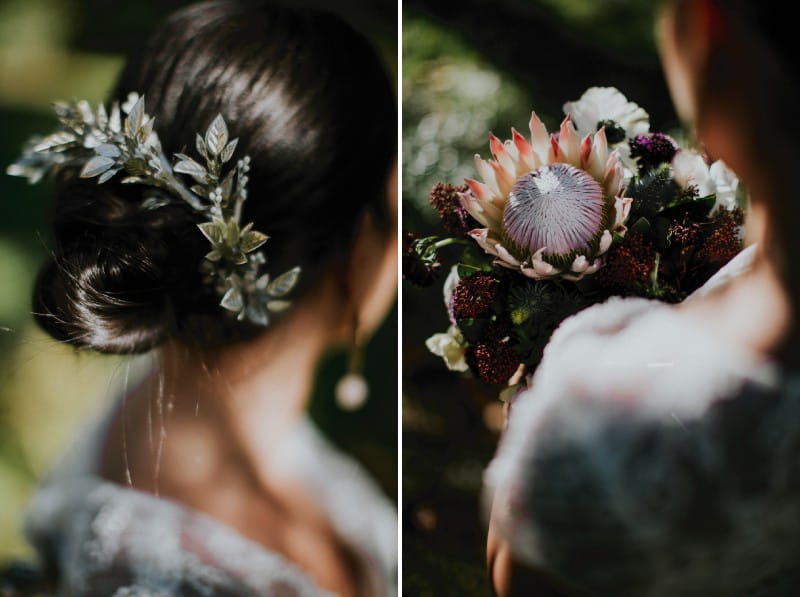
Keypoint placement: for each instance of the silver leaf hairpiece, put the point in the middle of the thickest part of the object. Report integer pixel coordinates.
(101, 144)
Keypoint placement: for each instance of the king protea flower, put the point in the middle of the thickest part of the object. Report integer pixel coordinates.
(550, 207)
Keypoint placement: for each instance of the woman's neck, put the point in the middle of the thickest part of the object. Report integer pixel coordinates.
(252, 393)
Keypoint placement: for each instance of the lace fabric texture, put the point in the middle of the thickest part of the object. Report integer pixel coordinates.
(650, 458)
(105, 539)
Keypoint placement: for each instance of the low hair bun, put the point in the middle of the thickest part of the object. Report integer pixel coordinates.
(107, 285)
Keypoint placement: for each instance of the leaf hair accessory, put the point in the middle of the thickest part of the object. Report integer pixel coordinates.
(101, 144)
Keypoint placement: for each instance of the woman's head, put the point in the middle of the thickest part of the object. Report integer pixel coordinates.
(733, 75)
(313, 108)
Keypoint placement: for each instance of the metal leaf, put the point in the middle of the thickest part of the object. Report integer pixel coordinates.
(108, 175)
(284, 283)
(188, 166)
(217, 135)
(214, 255)
(135, 117)
(251, 240)
(199, 190)
(257, 314)
(261, 283)
(232, 233)
(213, 232)
(55, 142)
(227, 153)
(278, 306)
(233, 300)
(227, 187)
(102, 116)
(97, 165)
(133, 180)
(145, 131)
(200, 145)
(115, 120)
(85, 110)
(108, 150)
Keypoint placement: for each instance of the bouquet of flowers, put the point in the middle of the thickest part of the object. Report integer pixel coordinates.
(603, 207)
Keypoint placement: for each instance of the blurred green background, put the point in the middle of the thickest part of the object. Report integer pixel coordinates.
(59, 49)
(470, 67)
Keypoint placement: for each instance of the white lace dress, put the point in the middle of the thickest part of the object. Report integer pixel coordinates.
(103, 539)
(652, 459)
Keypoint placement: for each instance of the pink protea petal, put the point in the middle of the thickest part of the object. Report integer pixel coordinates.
(481, 236)
(596, 265)
(605, 242)
(580, 264)
(530, 273)
(598, 159)
(540, 266)
(540, 139)
(505, 179)
(501, 155)
(471, 204)
(555, 154)
(613, 175)
(479, 189)
(495, 145)
(622, 206)
(490, 212)
(586, 151)
(511, 149)
(526, 155)
(486, 173)
(503, 253)
(491, 246)
(569, 142)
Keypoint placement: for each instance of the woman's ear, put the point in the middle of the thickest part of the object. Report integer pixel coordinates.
(372, 270)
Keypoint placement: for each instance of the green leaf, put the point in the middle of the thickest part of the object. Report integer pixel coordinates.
(233, 300)
(97, 165)
(227, 153)
(251, 240)
(641, 225)
(464, 270)
(284, 283)
(217, 136)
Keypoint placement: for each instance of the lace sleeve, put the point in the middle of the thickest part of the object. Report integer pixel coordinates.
(108, 540)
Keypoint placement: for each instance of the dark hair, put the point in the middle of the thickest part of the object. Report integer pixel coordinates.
(312, 106)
